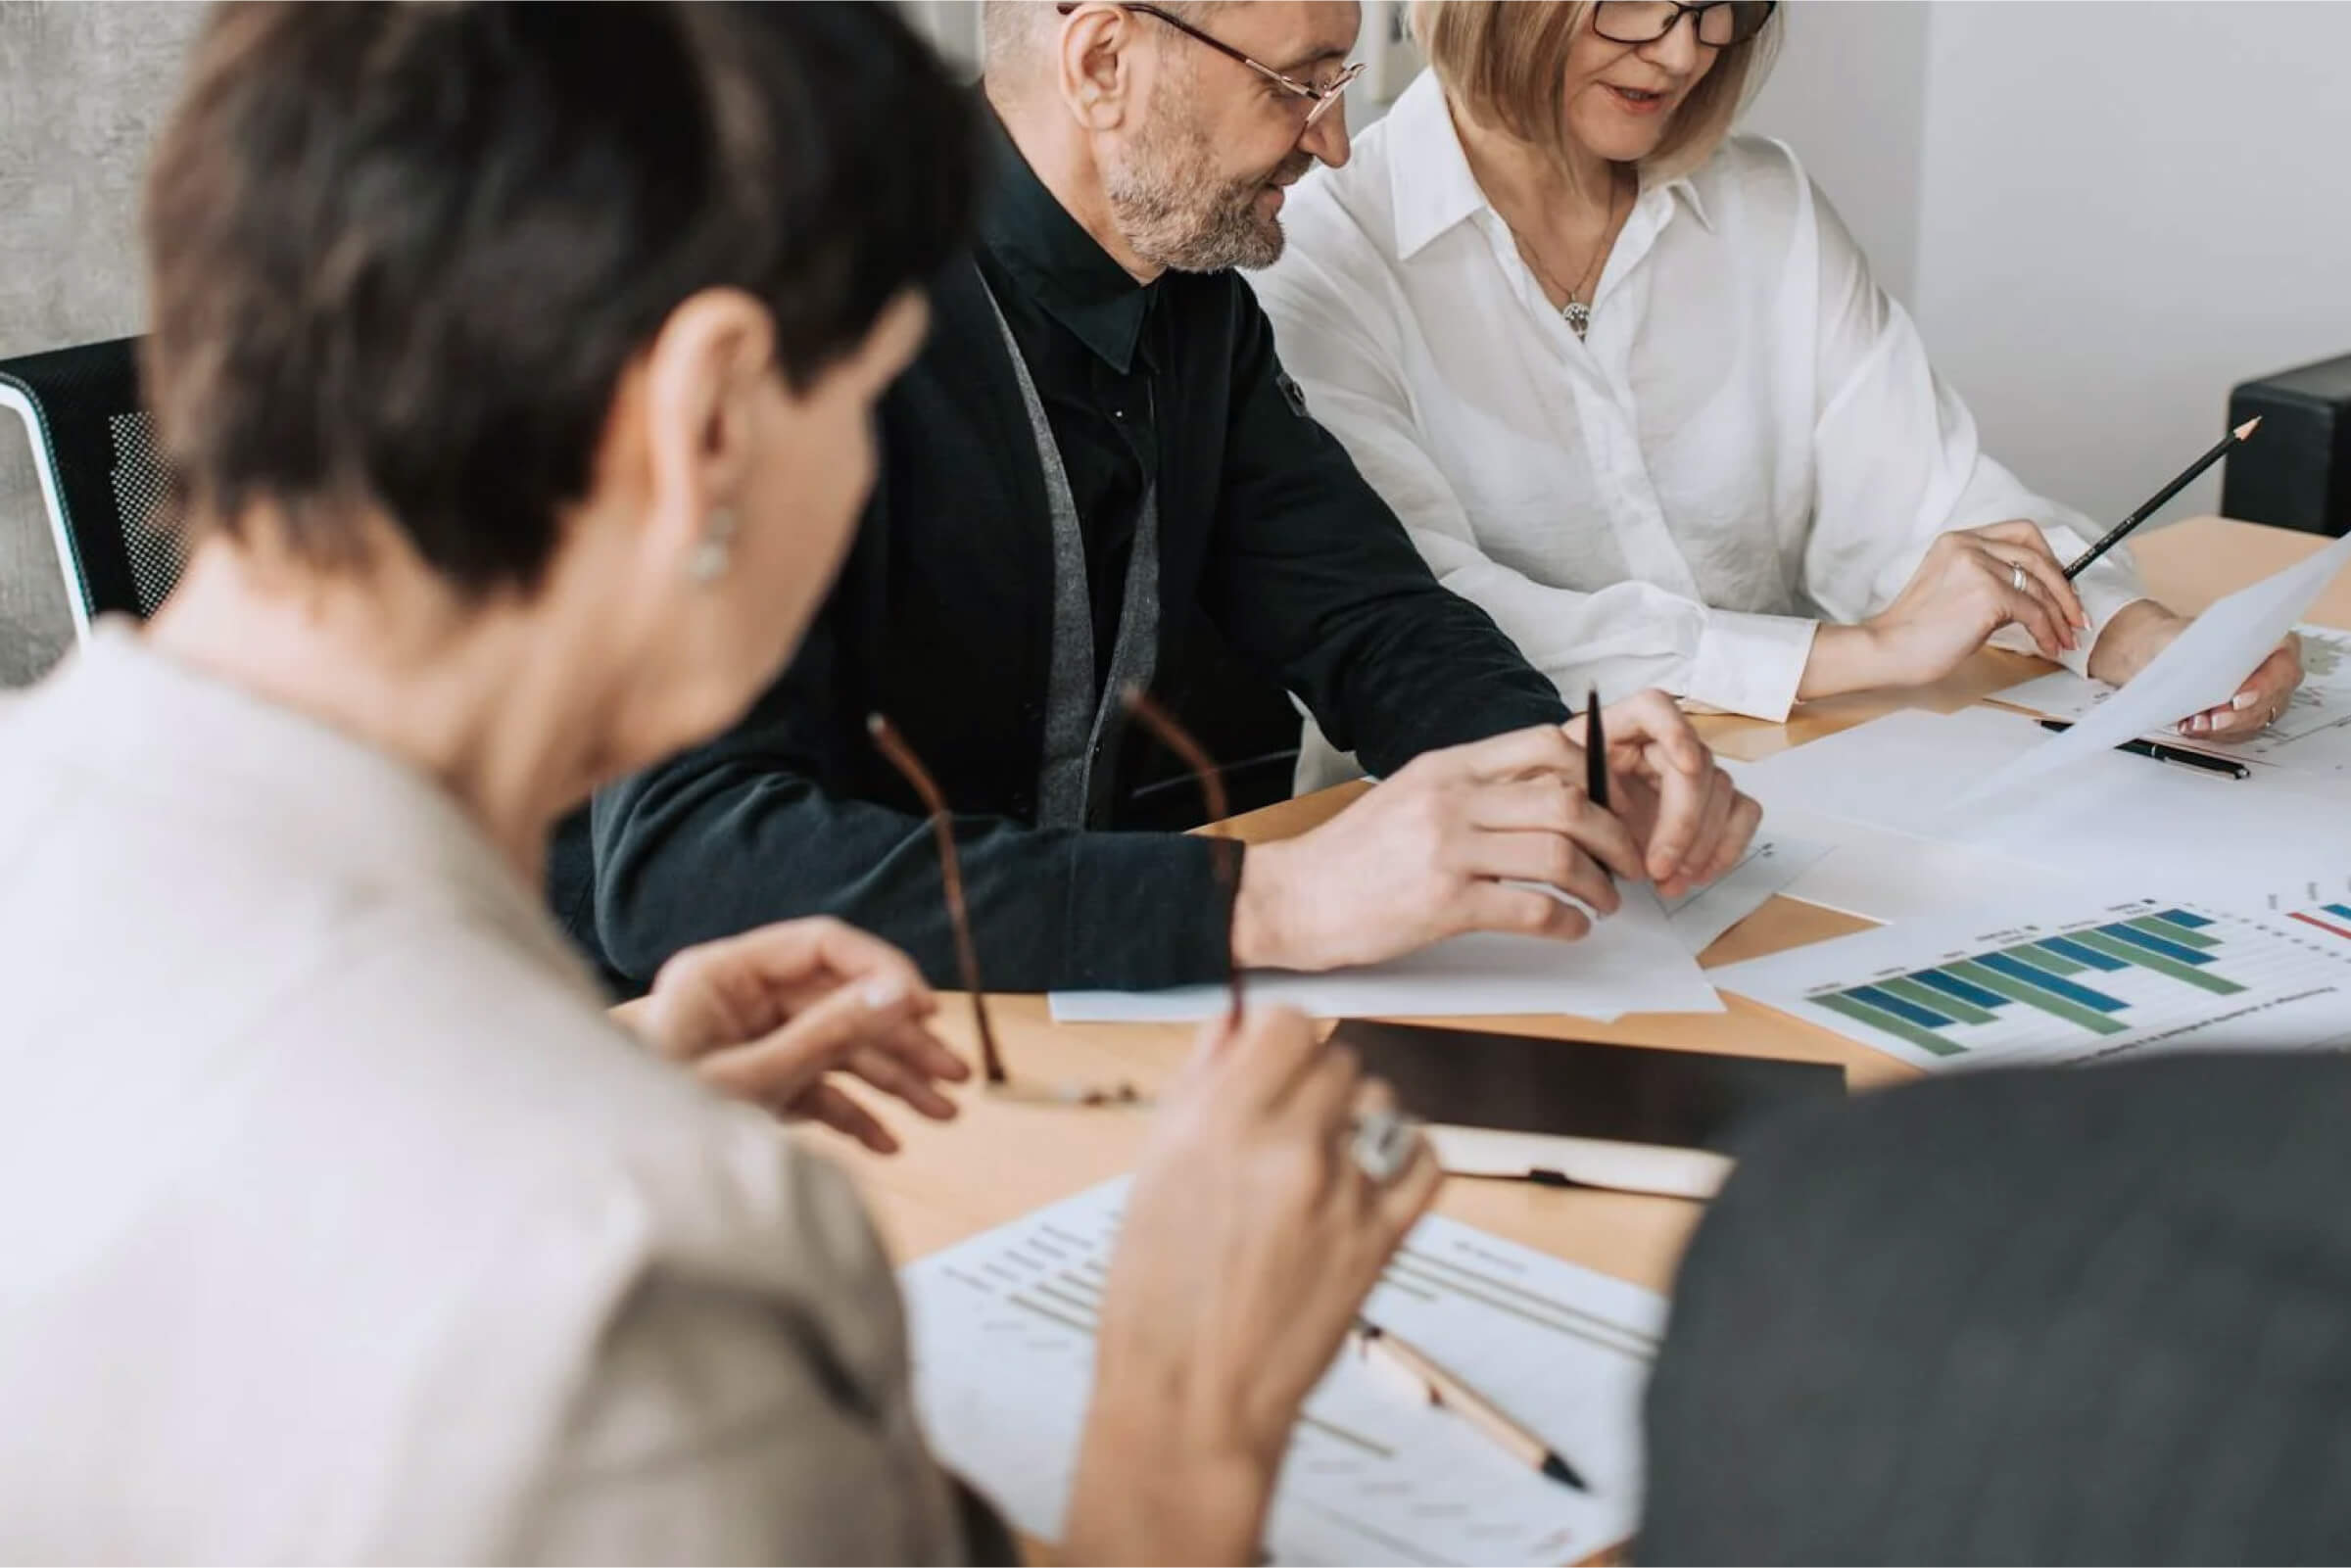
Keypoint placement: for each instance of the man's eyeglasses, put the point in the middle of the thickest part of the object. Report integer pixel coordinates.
(1720, 22)
(1325, 98)
(1171, 735)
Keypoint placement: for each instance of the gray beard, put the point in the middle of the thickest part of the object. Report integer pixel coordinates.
(1158, 201)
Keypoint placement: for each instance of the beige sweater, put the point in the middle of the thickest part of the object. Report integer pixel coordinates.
(339, 1224)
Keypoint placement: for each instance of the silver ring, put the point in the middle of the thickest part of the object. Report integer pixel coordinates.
(1384, 1145)
(2016, 575)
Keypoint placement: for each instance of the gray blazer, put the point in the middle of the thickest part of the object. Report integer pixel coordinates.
(341, 1225)
(2085, 1315)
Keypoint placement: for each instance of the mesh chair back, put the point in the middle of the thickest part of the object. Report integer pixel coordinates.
(107, 496)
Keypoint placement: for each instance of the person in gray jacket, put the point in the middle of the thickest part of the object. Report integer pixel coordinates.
(517, 366)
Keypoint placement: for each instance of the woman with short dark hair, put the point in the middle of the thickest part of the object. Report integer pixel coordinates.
(516, 364)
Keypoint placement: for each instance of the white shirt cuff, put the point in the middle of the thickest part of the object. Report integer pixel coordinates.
(1751, 664)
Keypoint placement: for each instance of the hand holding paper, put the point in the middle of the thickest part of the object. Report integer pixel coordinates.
(2202, 668)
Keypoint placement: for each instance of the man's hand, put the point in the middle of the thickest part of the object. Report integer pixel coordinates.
(1690, 819)
(1435, 852)
(769, 1015)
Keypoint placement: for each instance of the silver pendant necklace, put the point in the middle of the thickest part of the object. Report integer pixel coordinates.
(1577, 313)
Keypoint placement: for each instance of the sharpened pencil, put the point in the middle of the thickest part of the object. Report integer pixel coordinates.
(2114, 535)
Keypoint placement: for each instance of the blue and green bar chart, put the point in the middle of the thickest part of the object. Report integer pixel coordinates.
(2145, 972)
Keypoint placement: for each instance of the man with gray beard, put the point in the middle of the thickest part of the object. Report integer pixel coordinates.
(1098, 475)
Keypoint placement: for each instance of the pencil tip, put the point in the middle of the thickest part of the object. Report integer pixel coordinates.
(1556, 1468)
(2248, 427)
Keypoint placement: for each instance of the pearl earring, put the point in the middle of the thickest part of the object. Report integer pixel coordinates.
(715, 552)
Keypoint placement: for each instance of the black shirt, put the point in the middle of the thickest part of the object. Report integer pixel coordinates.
(942, 618)
(1089, 333)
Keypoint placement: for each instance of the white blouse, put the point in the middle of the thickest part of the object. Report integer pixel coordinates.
(1749, 441)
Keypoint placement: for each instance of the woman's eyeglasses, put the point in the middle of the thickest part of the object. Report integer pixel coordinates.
(1324, 97)
(1140, 706)
(1720, 22)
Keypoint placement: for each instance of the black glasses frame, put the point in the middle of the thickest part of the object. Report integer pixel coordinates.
(1748, 18)
(1323, 99)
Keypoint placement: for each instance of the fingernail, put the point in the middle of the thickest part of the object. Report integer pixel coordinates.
(2199, 723)
(884, 993)
(2243, 700)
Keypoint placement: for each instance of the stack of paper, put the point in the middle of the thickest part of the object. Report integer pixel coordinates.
(2104, 813)
(1003, 1333)
(1775, 861)
(1632, 962)
(1640, 960)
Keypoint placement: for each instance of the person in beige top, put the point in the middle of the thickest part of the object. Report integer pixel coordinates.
(516, 364)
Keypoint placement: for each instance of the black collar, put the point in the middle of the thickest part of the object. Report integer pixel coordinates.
(1068, 275)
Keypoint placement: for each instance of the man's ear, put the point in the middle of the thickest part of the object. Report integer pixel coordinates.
(702, 384)
(1097, 60)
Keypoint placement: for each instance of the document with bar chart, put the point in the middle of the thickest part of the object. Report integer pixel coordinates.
(2084, 985)
(1003, 1347)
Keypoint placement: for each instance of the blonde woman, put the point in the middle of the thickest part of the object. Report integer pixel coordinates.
(1629, 382)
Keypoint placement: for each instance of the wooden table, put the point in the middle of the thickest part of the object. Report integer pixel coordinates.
(998, 1161)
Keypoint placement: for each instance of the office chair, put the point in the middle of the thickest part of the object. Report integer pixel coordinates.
(108, 499)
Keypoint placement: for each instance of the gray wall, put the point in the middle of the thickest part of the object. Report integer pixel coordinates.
(82, 91)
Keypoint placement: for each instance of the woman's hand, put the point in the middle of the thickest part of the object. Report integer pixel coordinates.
(2141, 630)
(772, 1015)
(1972, 583)
(1250, 1240)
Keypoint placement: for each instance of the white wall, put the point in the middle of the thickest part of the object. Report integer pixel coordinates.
(1845, 94)
(2130, 207)
(2121, 209)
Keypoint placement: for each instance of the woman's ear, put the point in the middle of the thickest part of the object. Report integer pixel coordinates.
(703, 382)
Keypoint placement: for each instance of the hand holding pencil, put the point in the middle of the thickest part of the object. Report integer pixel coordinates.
(2140, 631)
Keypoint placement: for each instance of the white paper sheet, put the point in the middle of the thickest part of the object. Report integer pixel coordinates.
(2201, 669)
(1774, 860)
(2080, 981)
(1002, 1331)
(1631, 963)
(2107, 813)
(2311, 736)
(1882, 875)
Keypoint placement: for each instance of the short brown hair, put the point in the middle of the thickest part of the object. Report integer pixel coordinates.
(400, 255)
(1502, 61)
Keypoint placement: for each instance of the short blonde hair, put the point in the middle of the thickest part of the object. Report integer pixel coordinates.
(1502, 61)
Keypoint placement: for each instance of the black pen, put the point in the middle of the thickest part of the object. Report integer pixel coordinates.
(1596, 763)
(2115, 534)
(2163, 753)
